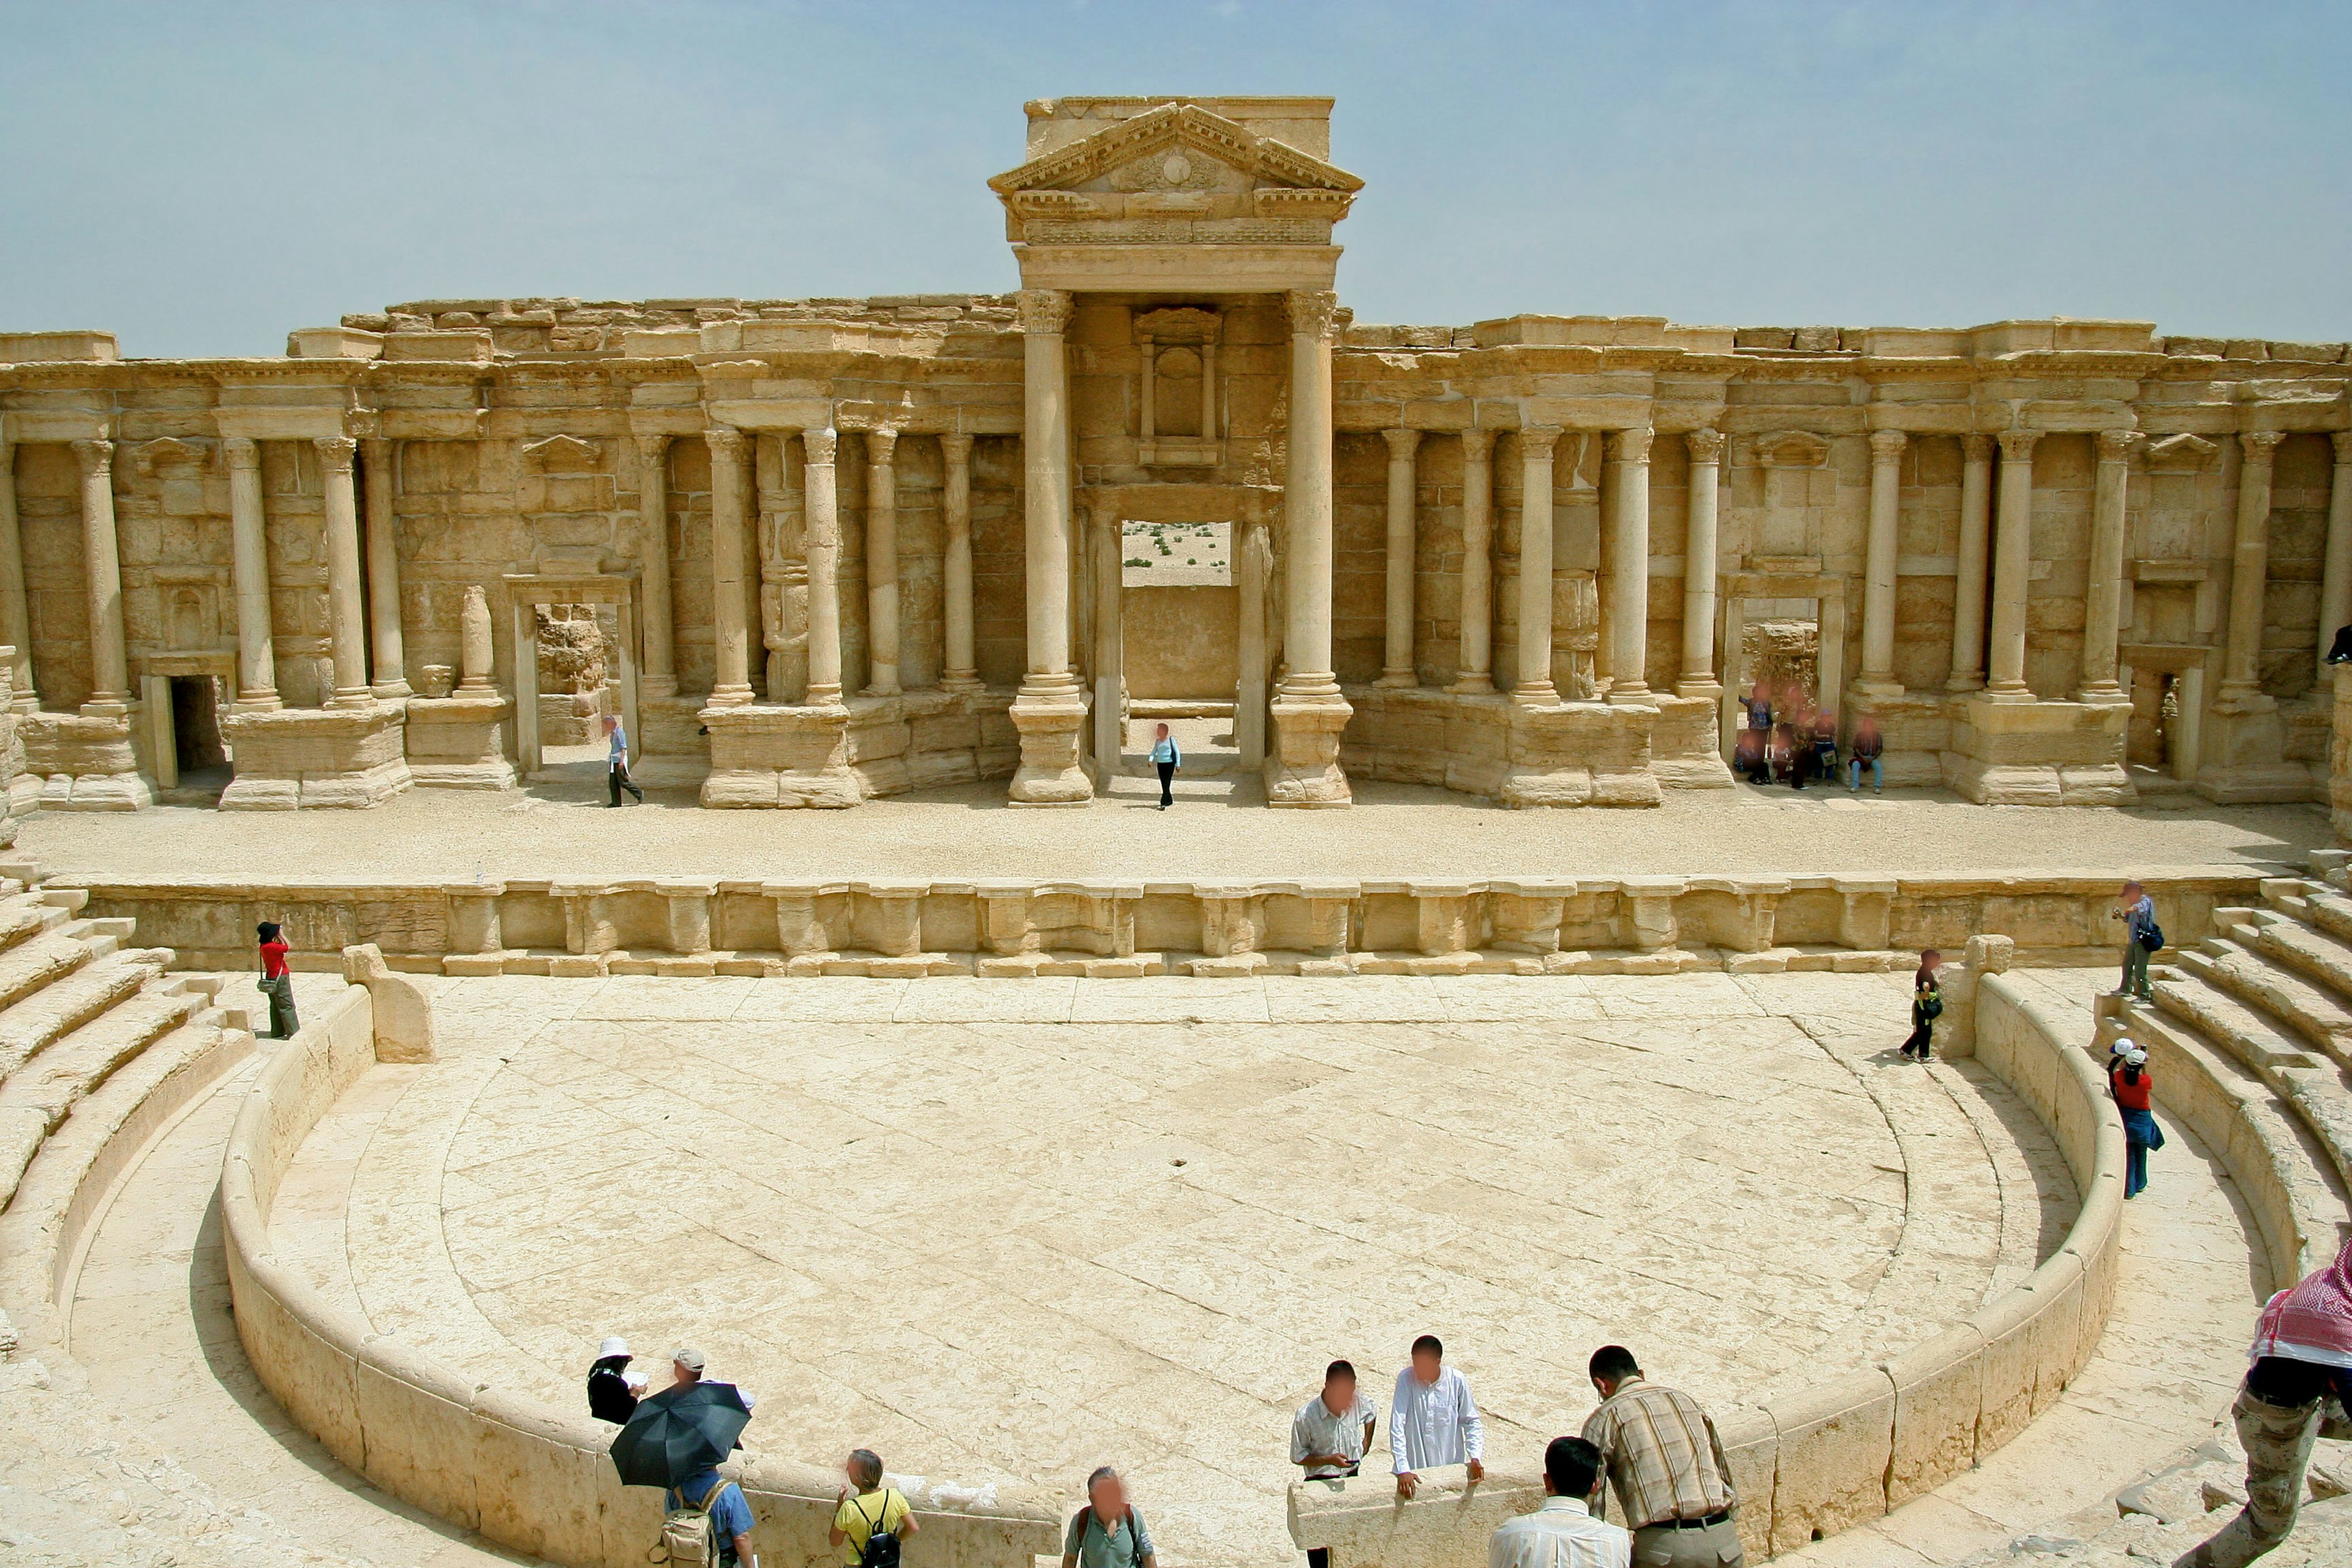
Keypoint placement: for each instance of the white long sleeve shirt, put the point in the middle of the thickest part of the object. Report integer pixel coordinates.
(1435, 1423)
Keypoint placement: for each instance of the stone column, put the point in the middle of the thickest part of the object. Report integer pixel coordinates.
(730, 632)
(1878, 570)
(474, 650)
(256, 654)
(882, 562)
(1253, 562)
(1699, 552)
(821, 543)
(1536, 442)
(1477, 563)
(2335, 575)
(1109, 671)
(960, 672)
(109, 665)
(2242, 675)
(16, 615)
(1969, 587)
(391, 668)
(1303, 764)
(1050, 709)
(1397, 667)
(2012, 566)
(1629, 565)
(346, 624)
(660, 675)
(2102, 602)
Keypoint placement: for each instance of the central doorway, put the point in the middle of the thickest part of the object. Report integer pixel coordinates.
(1179, 628)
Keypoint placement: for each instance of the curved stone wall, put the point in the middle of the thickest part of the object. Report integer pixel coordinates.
(526, 1477)
(537, 1481)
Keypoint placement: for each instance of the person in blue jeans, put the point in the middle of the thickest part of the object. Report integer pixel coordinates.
(1167, 758)
(2137, 911)
(1867, 746)
(2128, 1082)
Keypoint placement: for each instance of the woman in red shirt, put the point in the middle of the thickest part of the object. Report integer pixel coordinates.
(275, 983)
(2129, 1081)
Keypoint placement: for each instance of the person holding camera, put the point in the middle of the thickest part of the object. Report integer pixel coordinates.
(2141, 938)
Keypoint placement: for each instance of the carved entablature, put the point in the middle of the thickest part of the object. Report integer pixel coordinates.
(2181, 453)
(1791, 449)
(564, 455)
(1174, 175)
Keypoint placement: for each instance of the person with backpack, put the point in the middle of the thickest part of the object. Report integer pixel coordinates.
(2142, 937)
(2128, 1082)
(708, 1524)
(275, 981)
(1107, 1533)
(869, 1519)
(1926, 1006)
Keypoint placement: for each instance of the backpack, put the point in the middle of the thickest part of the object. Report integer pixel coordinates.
(881, 1549)
(2152, 938)
(1078, 1528)
(1931, 1005)
(687, 1538)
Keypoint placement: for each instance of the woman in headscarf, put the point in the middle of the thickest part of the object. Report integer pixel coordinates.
(2129, 1081)
(2299, 1388)
(1926, 1006)
(276, 984)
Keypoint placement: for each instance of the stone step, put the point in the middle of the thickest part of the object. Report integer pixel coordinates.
(55, 1011)
(2319, 958)
(2331, 911)
(44, 961)
(25, 917)
(39, 1096)
(2313, 1088)
(2311, 1012)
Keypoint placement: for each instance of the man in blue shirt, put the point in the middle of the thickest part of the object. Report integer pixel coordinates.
(730, 1516)
(1167, 756)
(618, 756)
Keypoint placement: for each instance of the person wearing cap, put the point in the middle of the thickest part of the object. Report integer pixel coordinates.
(611, 1387)
(2129, 1081)
(723, 1500)
(2137, 911)
(1667, 1465)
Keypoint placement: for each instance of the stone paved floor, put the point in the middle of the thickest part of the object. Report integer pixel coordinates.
(1015, 1231)
(560, 828)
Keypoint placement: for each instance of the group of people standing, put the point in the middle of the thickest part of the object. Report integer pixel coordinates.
(1787, 737)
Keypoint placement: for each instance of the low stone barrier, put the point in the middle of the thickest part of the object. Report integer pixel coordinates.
(530, 1479)
(1848, 1452)
(1109, 928)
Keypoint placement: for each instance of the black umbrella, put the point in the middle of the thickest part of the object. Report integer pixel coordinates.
(679, 1431)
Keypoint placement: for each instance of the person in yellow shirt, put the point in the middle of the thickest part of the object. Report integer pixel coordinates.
(865, 1509)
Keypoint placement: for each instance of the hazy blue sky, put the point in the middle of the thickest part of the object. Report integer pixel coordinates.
(202, 177)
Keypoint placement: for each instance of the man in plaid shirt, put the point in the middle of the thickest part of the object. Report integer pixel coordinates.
(1666, 1466)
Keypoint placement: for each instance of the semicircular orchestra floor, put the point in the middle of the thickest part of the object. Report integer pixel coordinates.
(1013, 1229)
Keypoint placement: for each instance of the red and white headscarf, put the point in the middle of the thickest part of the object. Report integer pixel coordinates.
(2312, 1322)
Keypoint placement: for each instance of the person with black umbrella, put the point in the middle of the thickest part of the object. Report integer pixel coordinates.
(676, 1439)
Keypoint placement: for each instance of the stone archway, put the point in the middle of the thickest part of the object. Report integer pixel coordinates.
(526, 592)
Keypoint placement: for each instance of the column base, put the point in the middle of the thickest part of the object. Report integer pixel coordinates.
(1687, 741)
(86, 761)
(1477, 684)
(2244, 739)
(961, 684)
(1581, 753)
(316, 758)
(390, 691)
(1051, 722)
(458, 741)
(2005, 752)
(790, 758)
(1302, 763)
(1914, 733)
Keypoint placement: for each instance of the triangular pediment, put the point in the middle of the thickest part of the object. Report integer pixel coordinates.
(1203, 142)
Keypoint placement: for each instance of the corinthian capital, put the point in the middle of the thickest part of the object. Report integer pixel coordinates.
(1977, 446)
(2117, 446)
(1402, 444)
(1538, 440)
(652, 448)
(1477, 445)
(1043, 310)
(1313, 311)
(95, 458)
(2258, 445)
(244, 454)
(1886, 446)
(955, 445)
(1632, 445)
(335, 453)
(817, 445)
(2017, 446)
(2342, 440)
(1706, 446)
(881, 446)
(726, 443)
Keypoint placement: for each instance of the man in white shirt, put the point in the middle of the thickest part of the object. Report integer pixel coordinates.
(1434, 1420)
(1563, 1533)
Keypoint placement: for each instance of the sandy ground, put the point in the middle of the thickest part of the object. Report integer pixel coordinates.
(558, 827)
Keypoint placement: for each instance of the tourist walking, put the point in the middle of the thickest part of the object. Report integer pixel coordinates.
(275, 983)
(870, 1520)
(617, 759)
(2129, 1082)
(613, 1388)
(2142, 937)
(2298, 1388)
(1867, 746)
(1926, 1006)
(1563, 1533)
(1666, 1466)
(1107, 1533)
(1167, 756)
(1330, 1434)
(1432, 1420)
